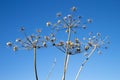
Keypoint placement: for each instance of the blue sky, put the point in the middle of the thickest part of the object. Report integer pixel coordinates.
(33, 14)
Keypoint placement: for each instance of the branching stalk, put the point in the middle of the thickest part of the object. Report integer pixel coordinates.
(35, 68)
(84, 62)
(66, 56)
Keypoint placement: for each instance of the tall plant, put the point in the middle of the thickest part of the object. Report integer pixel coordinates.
(31, 42)
(70, 24)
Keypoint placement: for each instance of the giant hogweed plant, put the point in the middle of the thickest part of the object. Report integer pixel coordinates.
(31, 42)
(70, 24)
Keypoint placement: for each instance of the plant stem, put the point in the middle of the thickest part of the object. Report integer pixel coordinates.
(35, 68)
(67, 55)
(65, 65)
(84, 62)
(51, 70)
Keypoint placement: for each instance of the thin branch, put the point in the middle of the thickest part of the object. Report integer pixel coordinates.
(51, 70)
(60, 49)
(84, 62)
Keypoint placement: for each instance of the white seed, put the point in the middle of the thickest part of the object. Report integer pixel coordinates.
(58, 14)
(52, 35)
(89, 20)
(18, 40)
(78, 50)
(22, 29)
(84, 27)
(59, 21)
(48, 24)
(9, 44)
(53, 39)
(77, 45)
(67, 31)
(86, 48)
(44, 44)
(46, 37)
(94, 37)
(15, 48)
(84, 38)
(61, 43)
(73, 8)
(69, 16)
(76, 40)
(65, 18)
(98, 34)
(89, 39)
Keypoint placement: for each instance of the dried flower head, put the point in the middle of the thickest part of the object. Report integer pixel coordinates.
(68, 21)
(29, 42)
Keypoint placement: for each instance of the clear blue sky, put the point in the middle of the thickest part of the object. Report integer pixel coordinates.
(33, 14)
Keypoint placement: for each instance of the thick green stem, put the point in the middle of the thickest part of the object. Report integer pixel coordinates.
(67, 55)
(84, 62)
(35, 68)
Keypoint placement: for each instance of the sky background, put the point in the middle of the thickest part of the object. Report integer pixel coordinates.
(33, 14)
